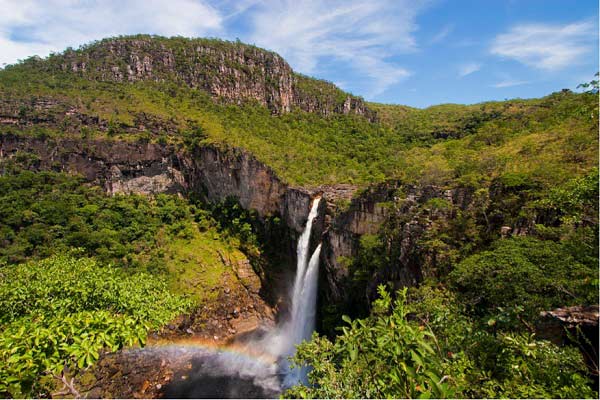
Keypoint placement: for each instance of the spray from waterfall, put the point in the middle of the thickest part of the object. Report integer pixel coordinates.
(300, 324)
(268, 367)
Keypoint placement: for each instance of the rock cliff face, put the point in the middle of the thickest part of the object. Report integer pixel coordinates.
(120, 167)
(393, 204)
(216, 173)
(231, 71)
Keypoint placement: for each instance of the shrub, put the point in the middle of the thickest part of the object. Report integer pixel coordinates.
(63, 311)
(523, 275)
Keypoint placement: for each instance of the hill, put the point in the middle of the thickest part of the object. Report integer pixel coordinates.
(209, 91)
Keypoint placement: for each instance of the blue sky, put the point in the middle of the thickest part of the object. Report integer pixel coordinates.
(417, 52)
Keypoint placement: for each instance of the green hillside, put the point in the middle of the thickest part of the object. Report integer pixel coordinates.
(551, 138)
(84, 274)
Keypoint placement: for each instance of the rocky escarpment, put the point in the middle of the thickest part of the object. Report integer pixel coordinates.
(119, 167)
(232, 71)
(216, 173)
(388, 205)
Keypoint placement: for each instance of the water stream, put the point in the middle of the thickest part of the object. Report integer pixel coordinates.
(301, 323)
(269, 374)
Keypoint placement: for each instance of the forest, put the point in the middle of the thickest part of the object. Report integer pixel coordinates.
(84, 274)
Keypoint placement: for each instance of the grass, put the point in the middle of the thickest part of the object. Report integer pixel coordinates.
(197, 265)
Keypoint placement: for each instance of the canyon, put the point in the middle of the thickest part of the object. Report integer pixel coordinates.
(264, 184)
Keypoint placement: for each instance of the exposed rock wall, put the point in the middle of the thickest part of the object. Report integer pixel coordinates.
(388, 203)
(231, 71)
(120, 167)
(127, 167)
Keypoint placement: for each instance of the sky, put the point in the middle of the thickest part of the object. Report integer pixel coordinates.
(413, 52)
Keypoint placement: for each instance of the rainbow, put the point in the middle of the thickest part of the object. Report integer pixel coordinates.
(227, 349)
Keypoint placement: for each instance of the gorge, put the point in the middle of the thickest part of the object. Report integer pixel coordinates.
(257, 206)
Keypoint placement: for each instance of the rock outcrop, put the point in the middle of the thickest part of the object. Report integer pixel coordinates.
(231, 71)
(576, 325)
(216, 173)
(391, 205)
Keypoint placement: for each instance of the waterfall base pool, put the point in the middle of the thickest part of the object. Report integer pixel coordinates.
(218, 374)
(256, 366)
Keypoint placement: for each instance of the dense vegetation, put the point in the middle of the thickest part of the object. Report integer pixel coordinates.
(61, 312)
(48, 213)
(63, 303)
(431, 348)
(69, 254)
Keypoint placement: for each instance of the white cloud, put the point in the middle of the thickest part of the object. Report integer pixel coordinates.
(29, 27)
(361, 34)
(442, 34)
(468, 69)
(509, 83)
(547, 47)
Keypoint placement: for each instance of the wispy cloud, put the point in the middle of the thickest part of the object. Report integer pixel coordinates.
(442, 34)
(363, 35)
(509, 83)
(547, 47)
(29, 27)
(468, 69)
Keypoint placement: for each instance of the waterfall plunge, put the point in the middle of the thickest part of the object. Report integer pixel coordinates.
(236, 371)
(301, 322)
(304, 294)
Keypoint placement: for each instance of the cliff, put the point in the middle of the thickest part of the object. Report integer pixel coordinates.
(230, 71)
(216, 173)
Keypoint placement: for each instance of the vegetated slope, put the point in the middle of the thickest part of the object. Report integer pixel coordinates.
(551, 138)
(525, 167)
(82, 273)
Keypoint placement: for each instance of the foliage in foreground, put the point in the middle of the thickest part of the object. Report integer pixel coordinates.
(61, 312)
(432, 350)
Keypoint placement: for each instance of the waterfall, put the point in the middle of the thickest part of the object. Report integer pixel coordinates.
(304, 291)
(259, 365)
(300, 323)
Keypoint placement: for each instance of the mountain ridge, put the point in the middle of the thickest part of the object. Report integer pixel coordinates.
(232, 71)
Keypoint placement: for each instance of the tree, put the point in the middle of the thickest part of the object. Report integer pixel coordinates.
(590, 87)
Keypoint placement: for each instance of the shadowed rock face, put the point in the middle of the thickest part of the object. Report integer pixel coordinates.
(126, 167)
(576, 325)
(215, 173)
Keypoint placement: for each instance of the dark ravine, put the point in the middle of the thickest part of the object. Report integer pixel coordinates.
(215, 173)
